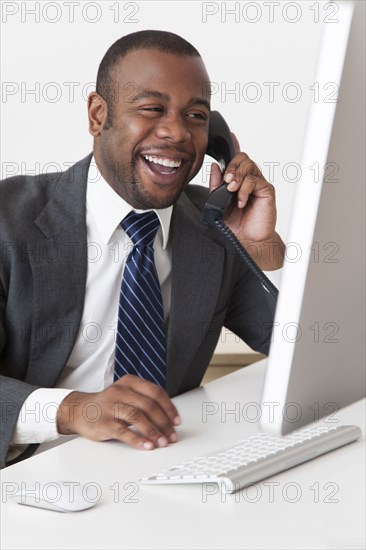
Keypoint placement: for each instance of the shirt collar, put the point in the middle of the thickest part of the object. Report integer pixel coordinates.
(108, 208)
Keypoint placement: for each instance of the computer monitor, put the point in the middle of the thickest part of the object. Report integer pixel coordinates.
(316, 362)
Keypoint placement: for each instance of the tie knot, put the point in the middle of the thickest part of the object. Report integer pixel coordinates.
(141, 228)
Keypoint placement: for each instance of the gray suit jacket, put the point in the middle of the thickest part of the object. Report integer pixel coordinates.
(42, 286)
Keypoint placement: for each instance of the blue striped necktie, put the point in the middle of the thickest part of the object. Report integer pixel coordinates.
(140, 339)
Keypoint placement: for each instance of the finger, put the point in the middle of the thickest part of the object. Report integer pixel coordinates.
(133, 414)
(136, 407)
(153, 391)
(246, 190)
(254, 186)
(215, 176)
(124, 434)
(233, 171)
(240, 169)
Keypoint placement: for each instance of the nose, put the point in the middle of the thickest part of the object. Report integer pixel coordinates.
(173, 128)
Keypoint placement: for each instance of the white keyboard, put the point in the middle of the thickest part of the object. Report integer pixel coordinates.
(256, 458)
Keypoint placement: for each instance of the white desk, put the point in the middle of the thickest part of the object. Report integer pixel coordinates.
(320, 504)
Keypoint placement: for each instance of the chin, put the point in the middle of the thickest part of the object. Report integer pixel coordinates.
(146, 200)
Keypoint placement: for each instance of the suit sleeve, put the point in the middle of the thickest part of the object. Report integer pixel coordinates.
(251, 310)
(12, 395)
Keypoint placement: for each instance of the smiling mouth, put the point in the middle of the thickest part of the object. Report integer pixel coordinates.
(162, 165)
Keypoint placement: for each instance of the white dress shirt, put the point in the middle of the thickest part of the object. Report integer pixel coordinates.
(90, 365)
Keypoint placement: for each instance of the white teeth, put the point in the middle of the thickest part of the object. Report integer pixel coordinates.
(164, 162)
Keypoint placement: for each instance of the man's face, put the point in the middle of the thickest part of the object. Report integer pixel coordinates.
(159, 131)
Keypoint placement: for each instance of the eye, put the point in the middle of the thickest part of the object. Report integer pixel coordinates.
(151, 111)
(198, 116)
(157, 109)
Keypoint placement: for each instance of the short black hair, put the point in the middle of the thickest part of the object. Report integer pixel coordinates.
(163, 41)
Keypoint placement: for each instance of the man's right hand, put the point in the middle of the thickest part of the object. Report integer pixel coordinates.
(130, 401)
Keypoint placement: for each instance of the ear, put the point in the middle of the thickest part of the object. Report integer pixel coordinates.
(97, 113)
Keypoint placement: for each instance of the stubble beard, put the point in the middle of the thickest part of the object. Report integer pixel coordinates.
(129, 187)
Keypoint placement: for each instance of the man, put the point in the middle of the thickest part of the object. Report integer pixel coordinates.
(149, 119)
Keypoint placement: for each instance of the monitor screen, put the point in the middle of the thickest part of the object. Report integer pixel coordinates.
(316, 363)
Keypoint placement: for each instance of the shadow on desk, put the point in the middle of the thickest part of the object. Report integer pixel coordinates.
(224, 363)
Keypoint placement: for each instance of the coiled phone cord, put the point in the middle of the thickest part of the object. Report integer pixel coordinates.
(249, 262)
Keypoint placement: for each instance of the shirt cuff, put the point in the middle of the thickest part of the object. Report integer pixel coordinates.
(37, 420)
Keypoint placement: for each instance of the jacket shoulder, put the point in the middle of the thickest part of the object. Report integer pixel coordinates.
(23, 197)
(20, 193)
(198, 195)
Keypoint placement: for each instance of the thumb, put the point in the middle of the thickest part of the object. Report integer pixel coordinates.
(215, 177)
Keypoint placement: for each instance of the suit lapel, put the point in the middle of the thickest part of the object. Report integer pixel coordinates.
(59, 262)
(197, 268)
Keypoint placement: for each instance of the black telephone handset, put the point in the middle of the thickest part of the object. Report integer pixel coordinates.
(221, 147)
